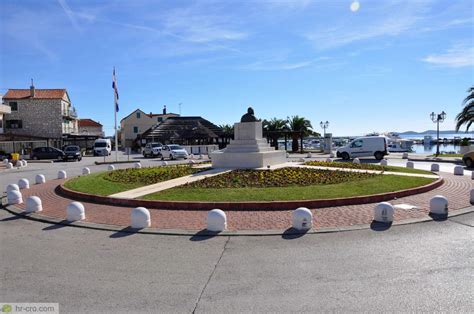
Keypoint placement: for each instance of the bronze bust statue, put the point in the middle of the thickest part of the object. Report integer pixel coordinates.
(249, 116)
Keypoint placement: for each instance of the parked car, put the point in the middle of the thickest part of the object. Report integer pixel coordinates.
(102, 147)
(47, 153)
(364, 147)
(73, 152)
(152, 150)
(468, 159)
(173, 151)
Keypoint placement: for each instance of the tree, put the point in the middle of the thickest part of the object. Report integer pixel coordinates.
(299, 126)
(274, 127)
(228, 131)
(466, 116)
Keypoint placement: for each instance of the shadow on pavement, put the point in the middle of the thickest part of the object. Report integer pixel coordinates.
(59, 225)
(125, 232)
(292, 233)
(203, 235)
(380, 226)
(438, 217)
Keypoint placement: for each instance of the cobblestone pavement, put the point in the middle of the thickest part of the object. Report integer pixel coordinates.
(455, 188)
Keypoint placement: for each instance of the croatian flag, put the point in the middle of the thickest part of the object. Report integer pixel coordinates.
(114, 86)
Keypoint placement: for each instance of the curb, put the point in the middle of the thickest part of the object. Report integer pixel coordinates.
(457, 162)
(177, 232)
(116, 162)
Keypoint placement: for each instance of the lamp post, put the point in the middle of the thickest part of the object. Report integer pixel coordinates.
(437, 118)
(324, 126)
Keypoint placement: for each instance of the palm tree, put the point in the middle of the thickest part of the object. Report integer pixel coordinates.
(228, 131)
(300, 126)
(273, 129)
(466, 116)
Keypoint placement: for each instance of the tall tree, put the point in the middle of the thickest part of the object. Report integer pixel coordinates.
(466, 116)
(274, 127)
(300, 126)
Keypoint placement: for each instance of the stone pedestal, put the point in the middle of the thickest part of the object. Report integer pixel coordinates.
(248, 149)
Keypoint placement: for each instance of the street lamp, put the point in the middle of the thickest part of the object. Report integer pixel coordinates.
(324, 126)
(437, 118)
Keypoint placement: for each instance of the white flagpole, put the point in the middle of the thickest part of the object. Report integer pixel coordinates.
(115, 116)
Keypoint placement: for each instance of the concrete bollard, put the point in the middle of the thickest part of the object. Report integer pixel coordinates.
(111, 168)
(33, 204)
(383, 212)
(137, 165)
(12, 187)
(5, 161)
(458, 171)
(435, 167)
(200, 156)
(216, 220)
(356, 161)
(164, 163)
(439, 205)
(191, 162)
(472, 196)
(302, 219)
(301, 160)
(287, 155)
(472, 175)
(25, 163)
(191, 156)
(331, 155)
(23, 184)
(329, 160)
(62, 174)
(309, 155)
(9, 165)
(86, 171)
(140, 218)
(410, 164)
(384, 162)
(40, 179)
(14, 197)
(75, 211)
(405, 156)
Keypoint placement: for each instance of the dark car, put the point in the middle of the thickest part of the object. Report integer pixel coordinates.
(47, 153)
(73, 152)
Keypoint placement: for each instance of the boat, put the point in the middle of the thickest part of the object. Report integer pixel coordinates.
(400, 146)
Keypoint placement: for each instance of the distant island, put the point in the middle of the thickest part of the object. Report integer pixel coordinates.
(433, 131)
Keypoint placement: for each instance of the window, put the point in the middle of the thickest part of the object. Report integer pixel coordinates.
(13, 105)
(14, 124)
(160, 119)
(358, 143)
(135, 129)
(138, 116)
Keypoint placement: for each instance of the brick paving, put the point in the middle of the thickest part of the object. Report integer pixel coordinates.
(455, 188)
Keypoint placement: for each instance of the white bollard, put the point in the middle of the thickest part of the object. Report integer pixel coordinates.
(383, 212)
(164, 163)
(384, 162)
(472, 196)
(356, 161)
(25, 163)
(435, 167)
(410, 164)
(140, 218)
(405, 156)
(302, 219)
(5, 161)
(111, 168)
(9, 165)
(12, 187)
(331, 155)
(14, 197)
(23, 184)
(62, 174)
(40, 179)
(191, 162)
(309, 155)
(287, 155)
(439, 205)
(329, 160)
(75, 211)
(200, 156)
(86, 170)
(216, 220)
(33, 204)
(137, 165)
(191, 156)
(301, 160)
(458, 171)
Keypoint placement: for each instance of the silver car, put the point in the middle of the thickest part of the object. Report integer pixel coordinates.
(173, 151)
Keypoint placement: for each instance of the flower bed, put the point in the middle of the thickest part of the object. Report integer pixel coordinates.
(351, 165)
(150, 175)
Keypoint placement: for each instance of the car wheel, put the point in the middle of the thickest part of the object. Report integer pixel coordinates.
(468, 162)
(378, 155)
(35, 158)
(345, 156)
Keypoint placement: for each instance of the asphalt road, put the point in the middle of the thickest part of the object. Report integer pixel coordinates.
(420, 267)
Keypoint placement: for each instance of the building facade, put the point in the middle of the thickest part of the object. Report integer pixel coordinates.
(90, 127)
(47, 113)
(4, 110)
(138, 122)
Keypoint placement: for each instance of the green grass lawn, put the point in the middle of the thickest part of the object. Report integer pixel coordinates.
(447, 155)
(364, 166)
(405, 170)
(98, 185)
(379, 184)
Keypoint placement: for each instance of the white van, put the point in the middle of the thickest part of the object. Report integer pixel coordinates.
(364, 147)
(102, 147)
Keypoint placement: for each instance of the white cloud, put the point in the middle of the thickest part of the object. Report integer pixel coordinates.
(70, 15)
(456, 57)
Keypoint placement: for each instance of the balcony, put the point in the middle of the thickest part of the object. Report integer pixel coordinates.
(5, 109)
(70, 114)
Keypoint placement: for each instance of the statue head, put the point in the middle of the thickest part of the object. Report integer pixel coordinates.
(249, 116)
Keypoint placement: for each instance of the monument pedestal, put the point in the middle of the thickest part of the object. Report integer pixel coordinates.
(248, 149)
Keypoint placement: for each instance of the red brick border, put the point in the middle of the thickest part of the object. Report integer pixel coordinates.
(242, 206)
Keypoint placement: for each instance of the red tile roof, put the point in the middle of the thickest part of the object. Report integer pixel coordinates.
(39, 94)
(88, 122)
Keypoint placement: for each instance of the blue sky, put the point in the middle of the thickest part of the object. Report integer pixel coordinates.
(383, 67)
